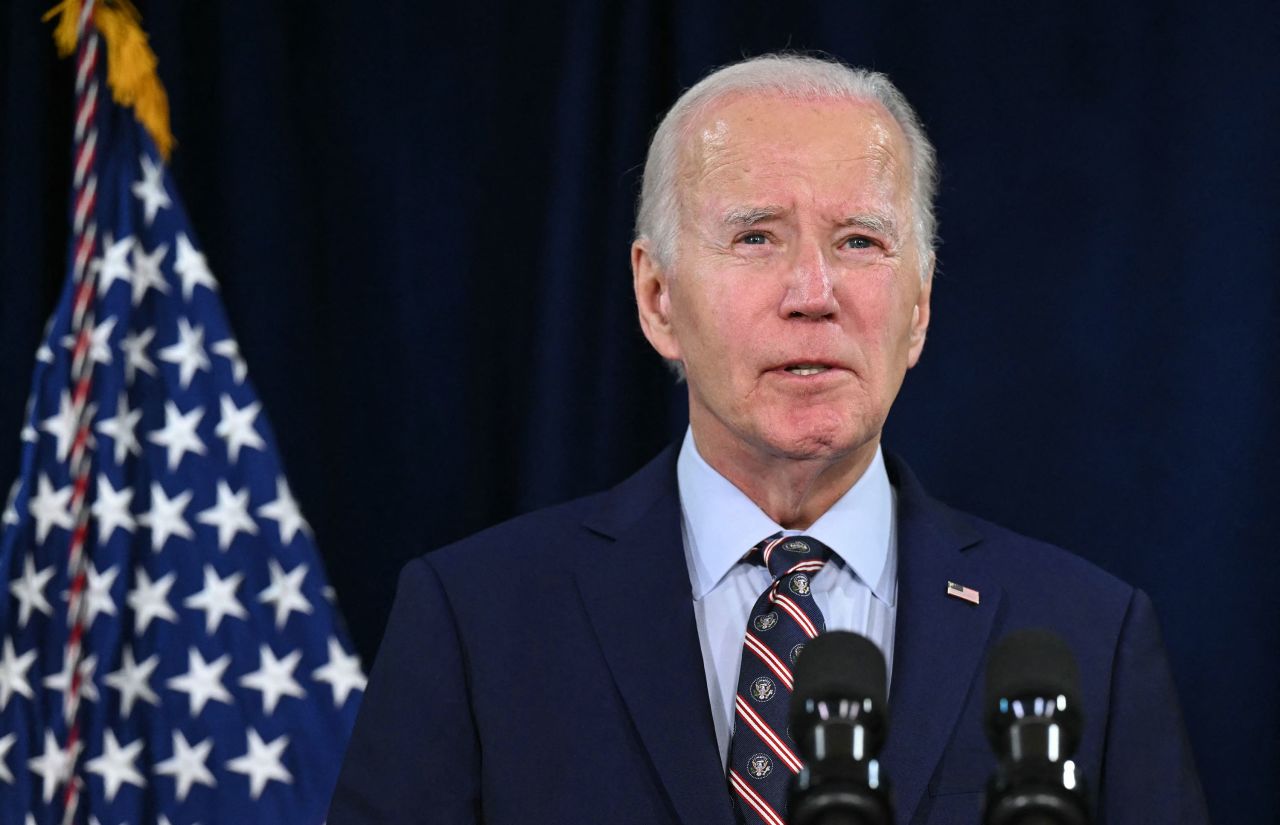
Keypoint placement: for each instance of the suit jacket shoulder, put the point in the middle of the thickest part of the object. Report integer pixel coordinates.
(937, 750)
(544, 670)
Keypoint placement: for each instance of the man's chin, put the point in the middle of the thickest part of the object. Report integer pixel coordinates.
(824, 445)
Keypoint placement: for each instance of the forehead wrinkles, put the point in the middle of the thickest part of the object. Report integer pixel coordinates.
(709, 150)
(710, 146)
(891, 178)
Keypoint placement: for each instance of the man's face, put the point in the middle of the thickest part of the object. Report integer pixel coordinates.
(795, 301)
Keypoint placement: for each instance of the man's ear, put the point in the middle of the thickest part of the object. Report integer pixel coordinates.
(653, 300)
(920, 318)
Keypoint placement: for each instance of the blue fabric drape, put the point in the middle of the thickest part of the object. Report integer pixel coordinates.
(419, 215)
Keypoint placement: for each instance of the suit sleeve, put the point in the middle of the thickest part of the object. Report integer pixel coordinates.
(414, 755)
(1149, 774)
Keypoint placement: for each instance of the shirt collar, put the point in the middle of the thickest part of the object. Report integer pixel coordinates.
(721, 524)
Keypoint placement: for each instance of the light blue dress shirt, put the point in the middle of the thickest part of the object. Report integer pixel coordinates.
(857, 590)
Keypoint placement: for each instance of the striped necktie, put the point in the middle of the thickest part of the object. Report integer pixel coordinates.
(762, 757)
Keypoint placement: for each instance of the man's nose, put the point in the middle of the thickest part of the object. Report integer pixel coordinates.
(809, 288)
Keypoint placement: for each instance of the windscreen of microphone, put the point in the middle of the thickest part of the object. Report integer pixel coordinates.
(838, 665)
(1032, 674)
(1033, 720)
(838, 714)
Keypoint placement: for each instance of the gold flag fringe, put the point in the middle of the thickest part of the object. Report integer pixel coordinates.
(131, 65)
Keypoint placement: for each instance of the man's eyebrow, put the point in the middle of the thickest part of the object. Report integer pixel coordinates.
(751, 215)
(879, 224)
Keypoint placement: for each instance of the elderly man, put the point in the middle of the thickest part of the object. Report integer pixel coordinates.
(619, 659)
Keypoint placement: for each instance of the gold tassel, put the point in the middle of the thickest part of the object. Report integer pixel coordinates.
(64, 34)
(131, 65)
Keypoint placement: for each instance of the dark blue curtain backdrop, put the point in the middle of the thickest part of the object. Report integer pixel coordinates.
(420, 214)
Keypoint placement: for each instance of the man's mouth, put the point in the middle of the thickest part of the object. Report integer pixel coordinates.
(806, 369)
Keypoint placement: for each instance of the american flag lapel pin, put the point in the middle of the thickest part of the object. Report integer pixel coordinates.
(959, 591)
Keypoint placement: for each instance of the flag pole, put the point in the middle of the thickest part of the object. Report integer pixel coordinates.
(84, 239)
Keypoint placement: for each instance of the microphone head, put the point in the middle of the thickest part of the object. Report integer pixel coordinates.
(1033, 662)
(838, 724)
(1034, 722)
(1033, 685)
(838, 665)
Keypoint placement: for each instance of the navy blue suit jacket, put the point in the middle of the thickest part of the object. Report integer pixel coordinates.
(548, 670)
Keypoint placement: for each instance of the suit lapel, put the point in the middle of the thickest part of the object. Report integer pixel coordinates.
(637, 594)
(939, 642)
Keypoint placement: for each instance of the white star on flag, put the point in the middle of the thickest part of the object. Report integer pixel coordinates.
(187, 353)
(229, 349)
(63, 426)
(203, 681)
(147, 272)
(13, 673)
(115, 765)
(274, 678)
(6, 744)
(165, 516)
(187, 766)
(236, 427)
(99, 341)
(111, 509)
(192, 268)
(114, 264)
(61, 681)
(342, 673)
(54, 764)
(150, 190)
(28, 433)
(96, 597)
(261, 763)
(122, 430)
(132, 681)
(285, 591)
(49, 508)
(28, 589)
(178, 436)
(284, 511)
(218, 598)
(230, 515)
(134, 346)
(10, 516)
(150, 600)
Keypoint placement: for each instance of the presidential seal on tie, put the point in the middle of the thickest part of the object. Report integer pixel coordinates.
(766, 622)
(762, 689)
(796, 546)
(760, 766)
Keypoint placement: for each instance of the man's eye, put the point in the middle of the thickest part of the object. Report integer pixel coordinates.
(859, 242)
(754, 238)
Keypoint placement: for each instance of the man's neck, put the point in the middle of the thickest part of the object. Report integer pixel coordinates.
(793, 492)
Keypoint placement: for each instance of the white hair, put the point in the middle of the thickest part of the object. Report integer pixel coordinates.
(787, 75)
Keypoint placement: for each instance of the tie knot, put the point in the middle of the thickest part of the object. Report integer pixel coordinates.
(787, 555)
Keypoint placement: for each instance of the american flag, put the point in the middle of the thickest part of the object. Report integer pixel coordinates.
(967, 594)
(169, 652)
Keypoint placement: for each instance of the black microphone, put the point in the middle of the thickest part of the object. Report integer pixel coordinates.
(838, 722)
(1033, 722)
